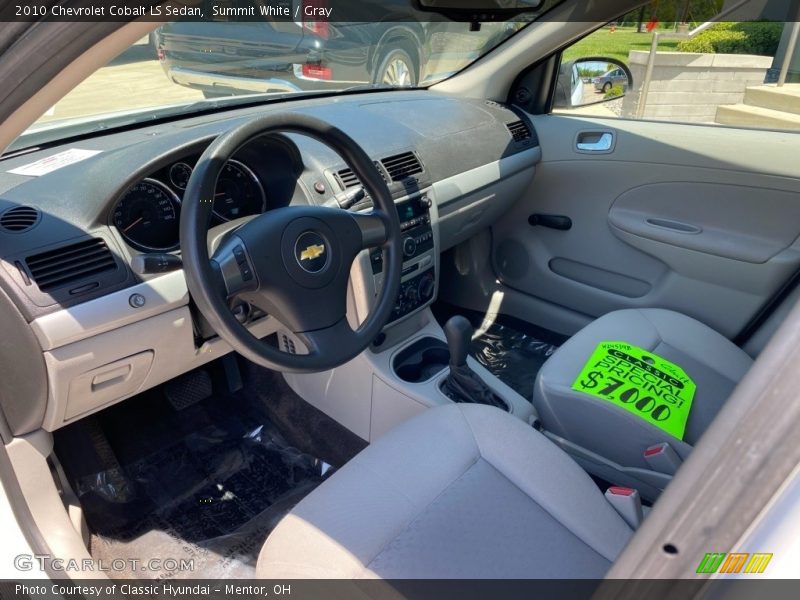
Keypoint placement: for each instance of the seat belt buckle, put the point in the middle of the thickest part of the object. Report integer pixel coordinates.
(662, 458)
(628, 504)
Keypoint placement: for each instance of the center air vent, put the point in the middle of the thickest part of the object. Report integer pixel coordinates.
(69, 264)
(348, 179)
(19, 219)
(401, 166)
(519, 130)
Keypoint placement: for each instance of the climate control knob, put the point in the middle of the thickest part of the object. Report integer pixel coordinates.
(409, 246)
(412, 295)
(426, 287)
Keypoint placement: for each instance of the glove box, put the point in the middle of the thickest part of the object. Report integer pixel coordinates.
(107, 383)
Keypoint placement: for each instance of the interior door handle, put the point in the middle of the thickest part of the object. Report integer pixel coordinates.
(594, 141)
(560, 222)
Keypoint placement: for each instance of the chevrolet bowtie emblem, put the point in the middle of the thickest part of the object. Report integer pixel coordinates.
(312, 252)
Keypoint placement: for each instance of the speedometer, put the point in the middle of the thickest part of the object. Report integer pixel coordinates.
(147, 216)
(239, 192)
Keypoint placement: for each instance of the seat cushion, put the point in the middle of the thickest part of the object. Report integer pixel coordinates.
(714, 363)
(460, 491)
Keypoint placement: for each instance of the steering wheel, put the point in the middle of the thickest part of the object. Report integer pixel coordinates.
(293, 262)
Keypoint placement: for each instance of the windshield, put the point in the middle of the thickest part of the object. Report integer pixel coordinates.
(195, 65)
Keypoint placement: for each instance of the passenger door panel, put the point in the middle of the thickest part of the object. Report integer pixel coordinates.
(699, 219)
(714, 218)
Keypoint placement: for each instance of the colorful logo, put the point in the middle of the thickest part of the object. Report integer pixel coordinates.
(734, 562)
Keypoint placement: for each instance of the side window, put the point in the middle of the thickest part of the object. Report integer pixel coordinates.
(668, 61)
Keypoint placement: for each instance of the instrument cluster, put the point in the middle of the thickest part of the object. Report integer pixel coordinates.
(147, 215)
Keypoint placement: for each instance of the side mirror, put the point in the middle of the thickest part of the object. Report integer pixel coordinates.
(591, 80)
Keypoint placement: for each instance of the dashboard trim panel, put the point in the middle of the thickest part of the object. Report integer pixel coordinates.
(458, 186)
(82, 321)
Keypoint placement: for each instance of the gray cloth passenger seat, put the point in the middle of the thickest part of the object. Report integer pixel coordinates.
(607, 440)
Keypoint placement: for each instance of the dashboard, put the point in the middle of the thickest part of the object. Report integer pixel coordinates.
(87, 329)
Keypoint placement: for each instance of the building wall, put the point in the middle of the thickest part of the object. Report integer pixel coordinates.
(689, 87)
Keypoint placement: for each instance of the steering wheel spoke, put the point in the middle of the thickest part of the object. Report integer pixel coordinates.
(235, 267)
(374, 228)
(336, 338)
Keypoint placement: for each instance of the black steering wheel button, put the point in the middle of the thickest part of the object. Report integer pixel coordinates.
(238, 253)
(246, 271)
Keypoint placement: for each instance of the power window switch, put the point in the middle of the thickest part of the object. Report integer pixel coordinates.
(627, 502)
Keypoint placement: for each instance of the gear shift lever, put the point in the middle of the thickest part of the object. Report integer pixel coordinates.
(462, 383)
(458, 332)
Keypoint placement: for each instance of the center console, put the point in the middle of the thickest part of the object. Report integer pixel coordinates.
(413, 364)
(418, 281)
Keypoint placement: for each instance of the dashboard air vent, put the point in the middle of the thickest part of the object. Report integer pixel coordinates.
(348, 179)
(19, 219)
(68, 264)
(519, 130)
(402, 165)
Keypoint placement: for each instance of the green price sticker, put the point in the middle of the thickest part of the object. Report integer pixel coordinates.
(640, 382)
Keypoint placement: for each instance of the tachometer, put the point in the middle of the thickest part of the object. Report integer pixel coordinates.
(239, 192)
(147, 216)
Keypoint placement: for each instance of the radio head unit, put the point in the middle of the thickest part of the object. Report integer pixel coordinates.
(415, 223)
(418, 283)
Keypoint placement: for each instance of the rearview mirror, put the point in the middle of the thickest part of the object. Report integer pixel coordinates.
(478, 10)
(591, 80)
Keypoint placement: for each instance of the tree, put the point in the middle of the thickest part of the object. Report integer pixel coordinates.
(674, 11)
(640, 24)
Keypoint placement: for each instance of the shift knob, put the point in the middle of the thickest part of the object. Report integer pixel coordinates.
(458, 331)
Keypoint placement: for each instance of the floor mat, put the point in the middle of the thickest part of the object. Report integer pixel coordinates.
(510, 349)
(303, 425)
(512, 356)
(204, 484)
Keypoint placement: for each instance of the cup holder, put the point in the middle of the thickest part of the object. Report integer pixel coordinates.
(422, 360)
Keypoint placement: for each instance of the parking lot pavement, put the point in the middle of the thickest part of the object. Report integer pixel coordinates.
(133, 80)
